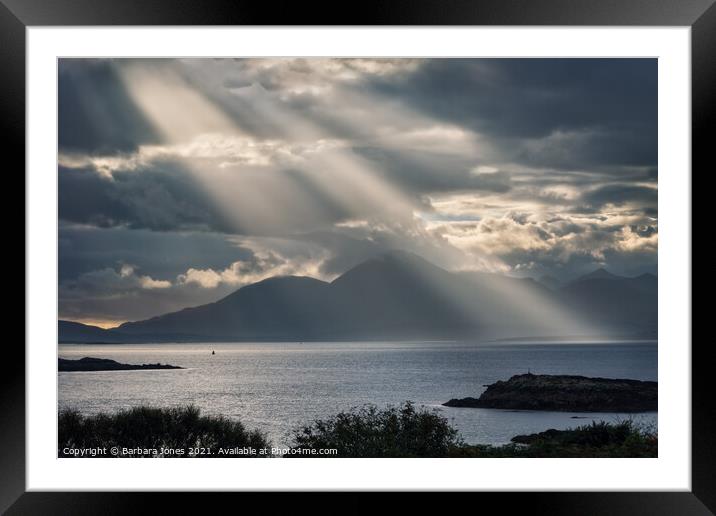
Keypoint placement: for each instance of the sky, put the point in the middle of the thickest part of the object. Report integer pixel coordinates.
(181, 180)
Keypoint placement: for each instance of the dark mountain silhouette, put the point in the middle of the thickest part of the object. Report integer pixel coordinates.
(77, 332)
(73, 332)
(276, 308)
(399, 295)
(550, 282)
(600, 273)
(627, 304)
(517, 307)
(395, 295)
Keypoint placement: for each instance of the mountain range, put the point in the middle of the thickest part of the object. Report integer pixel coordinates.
(400, 296)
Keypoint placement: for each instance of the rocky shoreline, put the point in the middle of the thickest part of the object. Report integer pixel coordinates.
(566, 394)
(105, 364)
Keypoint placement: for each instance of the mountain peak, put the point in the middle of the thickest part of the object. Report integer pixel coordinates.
(394, 295)
(392, 262)
(287, 279)
(600, 273)
(401, 256)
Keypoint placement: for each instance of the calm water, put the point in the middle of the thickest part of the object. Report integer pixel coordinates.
(278, 386)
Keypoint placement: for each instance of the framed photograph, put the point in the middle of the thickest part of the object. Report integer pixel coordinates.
(424, 247)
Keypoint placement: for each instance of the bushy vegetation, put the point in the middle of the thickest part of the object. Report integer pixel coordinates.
(367, 431)
(149, 428)
(598, 439)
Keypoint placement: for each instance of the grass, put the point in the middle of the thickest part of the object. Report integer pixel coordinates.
(367, 431)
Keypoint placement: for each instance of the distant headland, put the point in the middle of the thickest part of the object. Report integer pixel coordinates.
(105, 364)
(565, 393)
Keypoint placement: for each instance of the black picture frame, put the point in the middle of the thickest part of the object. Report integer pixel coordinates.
(17, 15)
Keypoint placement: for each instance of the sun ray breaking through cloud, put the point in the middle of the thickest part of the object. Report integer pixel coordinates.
(356, 157)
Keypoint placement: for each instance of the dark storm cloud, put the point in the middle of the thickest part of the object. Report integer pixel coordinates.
(95, 113)
(621, 194)
(161, 198)
(423, 172)
(605, 108)
(110, 296)
(112, 275)
(609, 150)
(165, 196)
(311, 166)
(161, 255)
(530, 98)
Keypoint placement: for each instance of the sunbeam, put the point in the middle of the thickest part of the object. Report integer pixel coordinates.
(295, 150)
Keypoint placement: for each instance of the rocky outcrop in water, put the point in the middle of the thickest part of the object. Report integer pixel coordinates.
(105, 364)
(565, 393)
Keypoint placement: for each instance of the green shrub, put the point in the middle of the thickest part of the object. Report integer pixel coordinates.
(366, 431)
(396, 431)
(155, 428)
(598, 439)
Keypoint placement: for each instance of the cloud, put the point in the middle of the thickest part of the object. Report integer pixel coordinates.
(316, 76)
(163, 197)
(177, 270)
(157, 254)
(564, 245)
(263, 264)
(216, 149)
(95, 113)
(209, 174)
(621, 194)
(149, 283)
(121, 280)
(207, 278)
(551, 112)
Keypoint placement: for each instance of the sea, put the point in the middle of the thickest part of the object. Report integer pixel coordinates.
(277, 387)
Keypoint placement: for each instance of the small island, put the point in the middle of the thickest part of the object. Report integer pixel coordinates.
(565, 393)
(105, 364)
